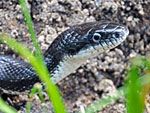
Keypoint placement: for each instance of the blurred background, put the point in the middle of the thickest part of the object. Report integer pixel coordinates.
(98, 76)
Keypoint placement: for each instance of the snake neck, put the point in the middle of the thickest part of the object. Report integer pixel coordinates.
(59, 62)
(63, 66)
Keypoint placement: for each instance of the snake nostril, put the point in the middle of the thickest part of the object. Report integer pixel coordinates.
(116, 35)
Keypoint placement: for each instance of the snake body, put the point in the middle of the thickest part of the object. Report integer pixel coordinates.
(66, 53)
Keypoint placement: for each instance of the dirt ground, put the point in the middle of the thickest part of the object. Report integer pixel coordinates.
(98, 76)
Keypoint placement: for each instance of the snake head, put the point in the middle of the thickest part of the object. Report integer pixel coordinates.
(88, 40)
(91, 39)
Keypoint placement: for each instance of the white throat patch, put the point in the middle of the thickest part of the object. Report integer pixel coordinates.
(70, 63)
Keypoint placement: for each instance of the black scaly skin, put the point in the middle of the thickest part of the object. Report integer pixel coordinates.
(19, 77)
(16, 75)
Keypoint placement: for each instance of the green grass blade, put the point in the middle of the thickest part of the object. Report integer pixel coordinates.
(36, 88)
(102, 103)
(32, 93)
(28, 107)
(41, 70)
(135, 92)
(30, 26)
(33, 36)
(135, 102)
(6, 108)
(119, 93)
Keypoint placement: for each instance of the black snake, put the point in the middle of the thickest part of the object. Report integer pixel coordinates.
(66, 53)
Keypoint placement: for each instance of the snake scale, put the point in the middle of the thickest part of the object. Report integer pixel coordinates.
(66, 53)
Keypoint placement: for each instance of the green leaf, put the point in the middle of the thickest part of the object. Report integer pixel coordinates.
(6, 108)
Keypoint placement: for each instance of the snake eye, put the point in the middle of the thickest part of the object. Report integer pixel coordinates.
(96, 37)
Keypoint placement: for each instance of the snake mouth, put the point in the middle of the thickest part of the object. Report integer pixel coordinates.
(110, 43)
